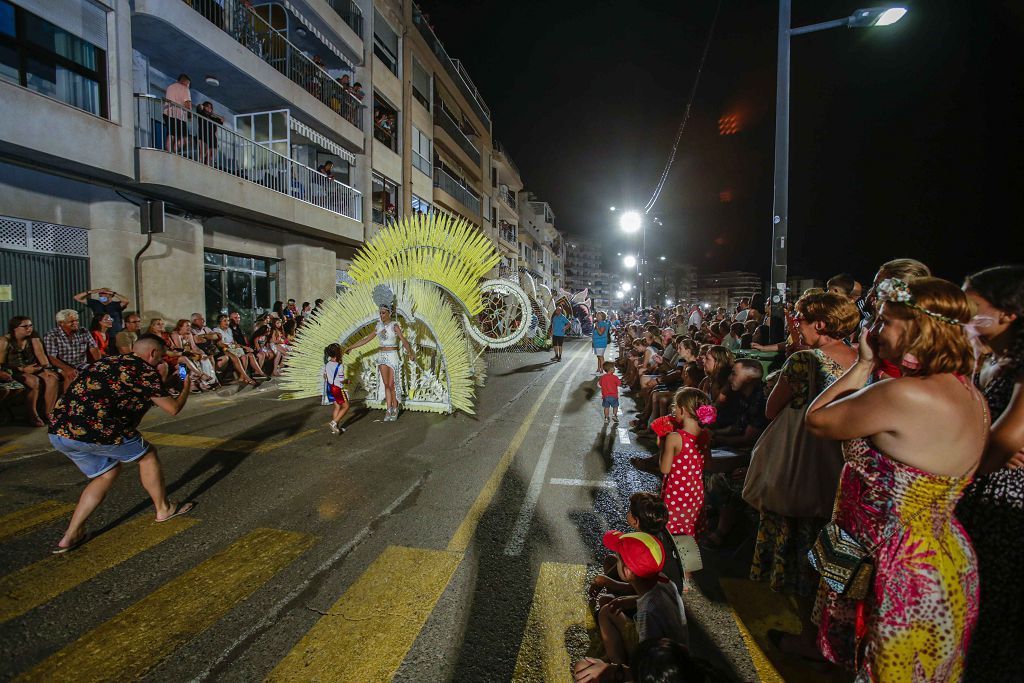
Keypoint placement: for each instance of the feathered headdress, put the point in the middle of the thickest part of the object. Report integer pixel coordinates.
(384, 296)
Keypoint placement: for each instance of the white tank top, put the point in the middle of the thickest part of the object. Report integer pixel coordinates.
(386, 334)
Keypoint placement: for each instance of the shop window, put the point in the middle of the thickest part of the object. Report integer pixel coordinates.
(234, 282)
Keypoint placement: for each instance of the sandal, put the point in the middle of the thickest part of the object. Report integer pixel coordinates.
(179, 509)
(36, 422)
(84, 538)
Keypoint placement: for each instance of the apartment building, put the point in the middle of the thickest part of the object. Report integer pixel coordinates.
(91, 148)
(541, 246)
(506, 184)
(726, 289)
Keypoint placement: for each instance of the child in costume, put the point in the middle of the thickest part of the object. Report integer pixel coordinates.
(334, 386)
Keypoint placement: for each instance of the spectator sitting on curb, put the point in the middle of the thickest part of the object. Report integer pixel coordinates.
(69, 347)
(95, 424)
(240, 356)
(23, 359)
(127, 337)
(100, 330)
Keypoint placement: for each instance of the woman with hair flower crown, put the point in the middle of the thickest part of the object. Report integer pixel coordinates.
(898, 599)
(683, 454)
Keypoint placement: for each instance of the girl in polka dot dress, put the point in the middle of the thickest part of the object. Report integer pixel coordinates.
(683, 454)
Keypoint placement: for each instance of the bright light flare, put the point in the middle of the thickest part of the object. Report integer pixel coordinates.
(629, 261)
(668, 302)
(891, 16)
(626, 286)
(630, 221)
(620, 294)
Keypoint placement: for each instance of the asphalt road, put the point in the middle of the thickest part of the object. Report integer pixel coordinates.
(437, 548)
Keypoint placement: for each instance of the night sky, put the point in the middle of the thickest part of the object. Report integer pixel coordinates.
(905, 140)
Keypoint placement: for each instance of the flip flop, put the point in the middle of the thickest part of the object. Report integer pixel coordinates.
(180, 509)
(84, 538)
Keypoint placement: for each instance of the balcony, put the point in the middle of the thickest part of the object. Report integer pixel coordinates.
(507, 232)
(508, 198)
(454, 188)
(349, 13)
(447, 122)
(236, 45)
(453, 67)
(500, 151)
(222, 153)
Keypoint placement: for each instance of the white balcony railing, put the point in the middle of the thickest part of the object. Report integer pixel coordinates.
(166, 126)
(456, 189)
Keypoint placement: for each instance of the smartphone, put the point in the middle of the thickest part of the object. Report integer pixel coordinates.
(182, 372)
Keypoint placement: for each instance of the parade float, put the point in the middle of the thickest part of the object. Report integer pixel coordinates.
(431, 270)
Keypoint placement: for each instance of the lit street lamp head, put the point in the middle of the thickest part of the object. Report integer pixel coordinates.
(629, 261)
(626, 286)
(876, 16)
(630, 221)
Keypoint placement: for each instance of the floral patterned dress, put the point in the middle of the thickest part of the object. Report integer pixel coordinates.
(916, 623)
(780, 552)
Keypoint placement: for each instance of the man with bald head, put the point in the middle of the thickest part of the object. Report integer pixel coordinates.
(95, 424)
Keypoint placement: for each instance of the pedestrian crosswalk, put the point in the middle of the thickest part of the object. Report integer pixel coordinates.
(22, 520)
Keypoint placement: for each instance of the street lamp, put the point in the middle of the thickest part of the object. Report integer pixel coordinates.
(620, 294)
(626, 286)
(661, 258)
(668, 302)
(630, 221)
(876, 16)
(611, 208)
(629, 261)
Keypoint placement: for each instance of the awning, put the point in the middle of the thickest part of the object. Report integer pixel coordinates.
(323, 39)
(311, 135)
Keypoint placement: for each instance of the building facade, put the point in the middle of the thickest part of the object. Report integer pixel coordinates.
(91, 142)
(725, 289)
(541, 247)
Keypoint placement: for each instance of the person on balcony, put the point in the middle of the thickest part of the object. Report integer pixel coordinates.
(177, 111)
(208, 121)
(357, 91)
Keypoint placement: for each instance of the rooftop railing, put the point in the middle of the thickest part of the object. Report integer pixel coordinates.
(166, 126)
(500, 149)
(444, 119)
(456, 189)
(347, 10)
(253, 32)
(453, 67)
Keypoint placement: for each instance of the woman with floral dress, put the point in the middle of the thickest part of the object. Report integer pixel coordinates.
(992, 509)
(912, 444)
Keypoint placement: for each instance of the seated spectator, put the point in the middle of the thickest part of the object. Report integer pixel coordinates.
(747, 389)
(23, 360)
(69, 347)
(168, 367)
(241, 357)
(640, 559)
(126, 338)
(201, 371)
(265, 349)
(100, 331)
(733, 340)
(105, 302)
(845, 285)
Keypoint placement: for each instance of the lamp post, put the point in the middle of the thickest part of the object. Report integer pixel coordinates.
(877, 16)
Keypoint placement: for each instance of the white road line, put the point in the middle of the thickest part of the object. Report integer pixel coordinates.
(589, 483)
(522, 526)
(624, 436)
(272, 615)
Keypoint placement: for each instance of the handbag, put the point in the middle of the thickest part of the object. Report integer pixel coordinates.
(844, 563)
(792, 472)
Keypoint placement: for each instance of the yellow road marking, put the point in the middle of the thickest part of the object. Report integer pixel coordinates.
(34, 515)
(9, 448)
(271, 445)
(369, 630)
(756, 609)
(211, 443)
(140, 637)
(37, 583)
(557, 628)
(464, 534)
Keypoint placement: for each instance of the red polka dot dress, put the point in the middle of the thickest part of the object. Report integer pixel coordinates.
(683, 488)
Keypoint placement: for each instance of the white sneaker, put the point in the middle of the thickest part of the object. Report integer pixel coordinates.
(334, 427)
(607, 420)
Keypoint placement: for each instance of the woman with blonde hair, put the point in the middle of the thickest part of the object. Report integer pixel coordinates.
(906, 609)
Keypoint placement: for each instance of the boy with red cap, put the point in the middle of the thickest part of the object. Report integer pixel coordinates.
(659, 609)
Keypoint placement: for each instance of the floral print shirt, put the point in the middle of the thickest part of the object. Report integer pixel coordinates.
(107, 400)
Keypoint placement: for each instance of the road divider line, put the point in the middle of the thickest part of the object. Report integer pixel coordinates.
(268, 446)
(135, 641)
(587, 483)
(515, 543)
(367, 633)
(464, 534)
(44, 580)
(22, 520)
(557, 627)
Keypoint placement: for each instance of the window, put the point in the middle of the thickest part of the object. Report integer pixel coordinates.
(527, 252)
(269, 129)
(43, 57)
(238, 283)
(385, 122)
(421, 151)
(385, 43)
(385, 199)
(420, 84)
(421, 205)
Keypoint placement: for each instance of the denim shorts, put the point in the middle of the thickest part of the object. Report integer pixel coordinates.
(599, 350)
(610, 402)
(96, 458)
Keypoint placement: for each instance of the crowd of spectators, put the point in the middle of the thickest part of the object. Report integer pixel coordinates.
(860, 415)
(36, 369)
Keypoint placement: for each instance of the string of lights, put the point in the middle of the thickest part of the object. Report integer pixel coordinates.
(686, 115)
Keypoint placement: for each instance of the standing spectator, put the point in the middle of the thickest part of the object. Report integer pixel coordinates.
(69, 347)
(327, 169)
(106, 302)
(95, 424)
(911, 444)
(22, 357)
(345, 81)
(208, 121)
(126, 338)
(177, 111)
(357, 91)
(602, 336)
(100, 330)
(557, 332)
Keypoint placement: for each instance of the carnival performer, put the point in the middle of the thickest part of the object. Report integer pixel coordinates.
(334, 387)
(389, 364)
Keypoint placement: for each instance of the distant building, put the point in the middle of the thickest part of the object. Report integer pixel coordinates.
(669, 281)
(797, 285)
(582, 261)
(726, 289)
(541, 246)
